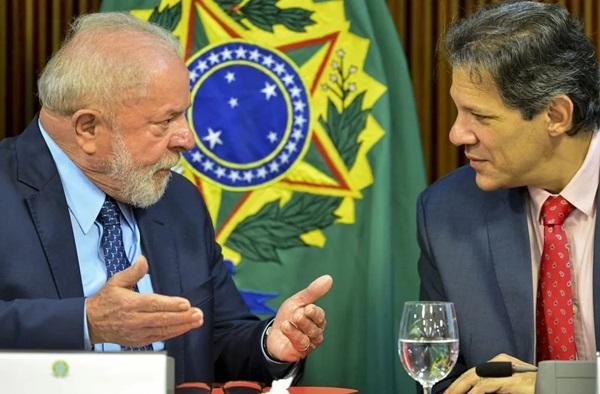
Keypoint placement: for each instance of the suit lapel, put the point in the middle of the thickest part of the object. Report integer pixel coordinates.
(158, 245)
(49, 211)
(509, 243)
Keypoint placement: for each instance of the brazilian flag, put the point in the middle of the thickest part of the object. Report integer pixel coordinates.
(309, 158)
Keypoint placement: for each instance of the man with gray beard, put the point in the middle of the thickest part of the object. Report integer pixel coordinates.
(102, 247)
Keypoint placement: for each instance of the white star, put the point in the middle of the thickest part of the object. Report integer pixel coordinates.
(202, 66)
(193, 75)
(196, 156)
(272, 137)
(291, 147)
(279, 68)
(208, 165)
(254, 55)
(297, 134)
(299, 105)
(261, 172)
(233, 102)
(234, 175)
(213, 138)
(274, 167)
(284, 158)
(213, 58)
(230, 77)
(226, 54)
(288, 79)
(299, 120)
(268, 61)
(295, 91)
(248, 177)
(220, 172)
(269, 90)
(240, 53)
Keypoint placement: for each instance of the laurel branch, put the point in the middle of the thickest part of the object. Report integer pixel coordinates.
(168, 18)
(259, 237)
(265, 14)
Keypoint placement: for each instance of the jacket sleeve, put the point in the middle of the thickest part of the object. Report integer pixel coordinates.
(432, 286)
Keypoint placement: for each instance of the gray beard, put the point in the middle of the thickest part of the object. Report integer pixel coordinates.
(140, 186)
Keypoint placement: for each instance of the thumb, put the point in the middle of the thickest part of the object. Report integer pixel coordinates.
(131, 275)
(317, 289)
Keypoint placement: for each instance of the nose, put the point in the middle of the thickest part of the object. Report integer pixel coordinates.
(461, 132)
(182, 139)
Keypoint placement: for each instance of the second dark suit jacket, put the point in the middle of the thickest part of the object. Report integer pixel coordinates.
(41, 295)
(475, 252)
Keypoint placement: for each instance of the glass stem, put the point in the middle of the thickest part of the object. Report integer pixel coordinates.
(426, 389)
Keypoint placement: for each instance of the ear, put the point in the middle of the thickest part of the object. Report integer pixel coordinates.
(560, 115)
(86, 124)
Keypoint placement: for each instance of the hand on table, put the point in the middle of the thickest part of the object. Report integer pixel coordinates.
(117, 314)
(518, 383)
(299, 324)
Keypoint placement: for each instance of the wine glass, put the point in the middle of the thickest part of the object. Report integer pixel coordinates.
(428, 341)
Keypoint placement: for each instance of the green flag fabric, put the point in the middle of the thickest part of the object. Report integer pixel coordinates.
(309, 158)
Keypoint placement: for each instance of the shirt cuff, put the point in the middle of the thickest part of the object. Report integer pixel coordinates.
(87, 342)
(279, 369)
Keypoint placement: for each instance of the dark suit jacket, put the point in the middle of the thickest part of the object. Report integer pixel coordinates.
(41, 295)
(475, 252)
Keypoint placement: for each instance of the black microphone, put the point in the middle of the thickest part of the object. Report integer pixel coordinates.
(501, 369)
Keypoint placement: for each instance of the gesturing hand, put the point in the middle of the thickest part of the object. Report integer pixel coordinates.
(117, 314)
(299, 324)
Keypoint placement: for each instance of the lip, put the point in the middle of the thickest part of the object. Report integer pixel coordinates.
(475, 162)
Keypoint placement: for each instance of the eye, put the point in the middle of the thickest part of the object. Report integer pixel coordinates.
(166, 122)
(481, 118)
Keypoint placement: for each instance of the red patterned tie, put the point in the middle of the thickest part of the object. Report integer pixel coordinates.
(554, 315)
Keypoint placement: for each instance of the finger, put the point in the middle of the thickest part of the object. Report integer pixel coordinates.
(515, 384)
(514, 360)
(300, 342)
(159, 303)
(504, 357)
(166, 319)
(306, 325)
(164, 333)
(317, 289)
(131, 275)
(464, 383)
(316, 314)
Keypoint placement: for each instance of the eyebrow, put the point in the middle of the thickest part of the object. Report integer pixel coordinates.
(175, 112)
(471, 109)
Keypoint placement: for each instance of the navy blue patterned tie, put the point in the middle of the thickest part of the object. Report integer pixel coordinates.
(112, 238)
(112, 245)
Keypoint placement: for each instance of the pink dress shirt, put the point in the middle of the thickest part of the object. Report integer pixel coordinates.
(580, 228)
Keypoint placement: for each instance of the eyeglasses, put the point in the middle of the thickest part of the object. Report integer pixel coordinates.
(232, 387)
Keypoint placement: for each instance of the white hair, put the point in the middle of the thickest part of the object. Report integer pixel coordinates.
(104, 58)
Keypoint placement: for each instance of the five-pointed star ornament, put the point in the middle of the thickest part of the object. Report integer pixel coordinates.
(213, 138)
(269, 90)
(230, 77)
(233, 102)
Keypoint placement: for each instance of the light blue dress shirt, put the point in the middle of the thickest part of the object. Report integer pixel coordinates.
(85, 200)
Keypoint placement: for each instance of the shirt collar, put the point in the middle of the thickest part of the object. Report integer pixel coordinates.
(84, 198)
(581, 189)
